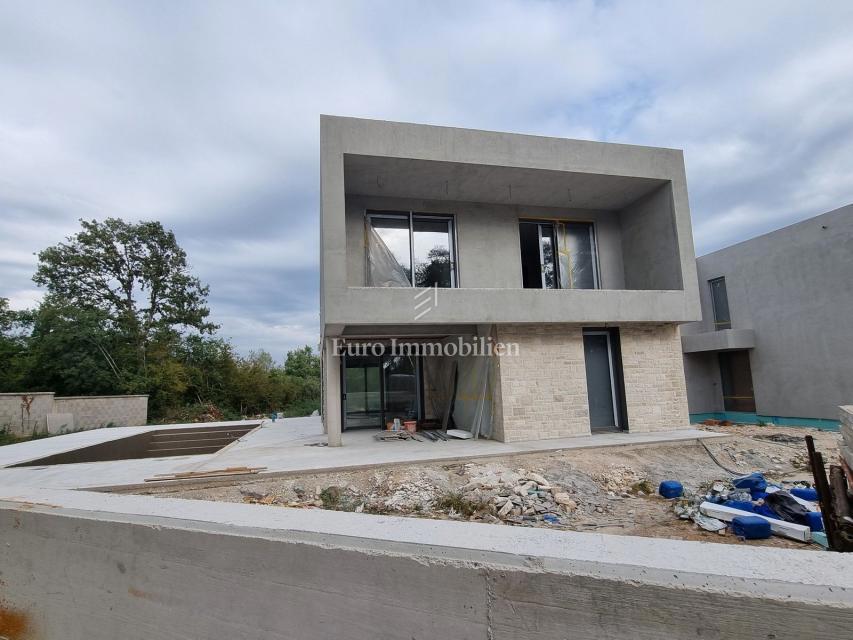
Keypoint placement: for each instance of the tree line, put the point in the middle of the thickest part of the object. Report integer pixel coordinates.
(122, 314)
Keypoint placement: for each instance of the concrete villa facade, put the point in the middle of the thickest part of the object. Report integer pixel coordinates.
(578, 253)
(776, 339)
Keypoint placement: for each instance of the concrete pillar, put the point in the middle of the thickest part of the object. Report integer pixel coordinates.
(332, 414)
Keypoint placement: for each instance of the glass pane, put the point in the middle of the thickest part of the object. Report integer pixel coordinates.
(433, 266)
(531, 269)
(599, 387)
(394, 232)
(575, 244)
(363, 399)
(401, 388)
(549, 272)
(720, 300)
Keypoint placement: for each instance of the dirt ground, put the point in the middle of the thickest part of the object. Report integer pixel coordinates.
(606, 490)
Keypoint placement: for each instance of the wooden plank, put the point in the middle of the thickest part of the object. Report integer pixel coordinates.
(779, 527)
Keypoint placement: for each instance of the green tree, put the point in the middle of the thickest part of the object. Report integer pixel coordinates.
(13, 344)
(302, 363)
(134, 274)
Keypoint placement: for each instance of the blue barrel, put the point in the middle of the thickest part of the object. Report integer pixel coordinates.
(805, 494)
(743, 505)
(670, 489)
(815, 520)
(751, 527)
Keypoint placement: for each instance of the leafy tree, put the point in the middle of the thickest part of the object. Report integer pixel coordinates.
(134, 274)
(302, 363)
(72, 351)
(13, 343)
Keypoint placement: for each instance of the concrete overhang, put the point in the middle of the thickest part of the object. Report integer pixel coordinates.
(724, 340)
(466, 182)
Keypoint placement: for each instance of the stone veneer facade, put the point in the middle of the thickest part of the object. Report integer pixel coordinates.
(541, 392)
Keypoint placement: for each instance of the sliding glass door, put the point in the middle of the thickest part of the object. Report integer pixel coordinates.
(378, 389)
(558, 255)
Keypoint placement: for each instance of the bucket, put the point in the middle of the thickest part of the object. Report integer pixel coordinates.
(411, 425)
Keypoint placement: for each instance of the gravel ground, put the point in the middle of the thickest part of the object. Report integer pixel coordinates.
(607, 490)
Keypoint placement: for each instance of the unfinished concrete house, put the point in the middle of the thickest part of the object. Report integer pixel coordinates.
(513, 286)
(776, 340)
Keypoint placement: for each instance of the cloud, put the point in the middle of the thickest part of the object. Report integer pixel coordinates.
(204, 115)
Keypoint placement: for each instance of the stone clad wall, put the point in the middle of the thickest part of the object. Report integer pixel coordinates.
(542, 391)
(47, 412)
(653, 369)
(543, 388)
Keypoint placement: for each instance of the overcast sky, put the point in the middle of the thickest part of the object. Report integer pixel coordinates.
(205, 116)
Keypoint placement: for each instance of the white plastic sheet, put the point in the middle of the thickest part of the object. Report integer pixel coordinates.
(383, 270)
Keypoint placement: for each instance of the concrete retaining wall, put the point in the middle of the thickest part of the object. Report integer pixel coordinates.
(248, 571)
(70, 413)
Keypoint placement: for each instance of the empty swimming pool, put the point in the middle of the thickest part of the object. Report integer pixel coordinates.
(159, 443)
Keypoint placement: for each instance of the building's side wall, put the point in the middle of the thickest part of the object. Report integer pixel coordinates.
(794, 288)
(655, 389)
(487, 239)
(543, 388)
(704, 390)
(92, 412)
(650, 242)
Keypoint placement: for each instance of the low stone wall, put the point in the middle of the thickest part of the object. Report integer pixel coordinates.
(92, 412)
(179, 572)
(27, 413)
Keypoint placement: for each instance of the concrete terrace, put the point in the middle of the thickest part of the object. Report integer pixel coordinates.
(282, 447)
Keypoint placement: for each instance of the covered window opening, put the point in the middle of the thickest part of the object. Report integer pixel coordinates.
(409, 249)
(558, 255)
(720, 303)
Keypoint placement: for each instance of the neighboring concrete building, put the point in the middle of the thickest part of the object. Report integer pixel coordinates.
(576, 256)
(776, 339)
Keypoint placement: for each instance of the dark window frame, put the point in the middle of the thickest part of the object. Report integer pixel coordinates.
(593, 231)
(720, 325)
(423, 215)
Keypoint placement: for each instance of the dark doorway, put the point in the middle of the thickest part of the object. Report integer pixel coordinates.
(603, 379)
(736, 379)
(377, 389)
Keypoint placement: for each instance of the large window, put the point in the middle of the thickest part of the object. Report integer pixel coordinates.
(408, 249)
(720, 302)
(558, 255)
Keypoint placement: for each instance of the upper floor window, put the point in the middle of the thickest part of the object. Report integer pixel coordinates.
(720, 303)
(406, 249)
(558, 255)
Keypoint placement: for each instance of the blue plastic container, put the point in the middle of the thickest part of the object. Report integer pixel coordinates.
(765, 510)
(751, 527)
(805, 494)
(752, 482)
(815, 521)
(671, 489)
(743, 505)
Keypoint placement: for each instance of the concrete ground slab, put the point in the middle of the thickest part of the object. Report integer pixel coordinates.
(282, 447)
